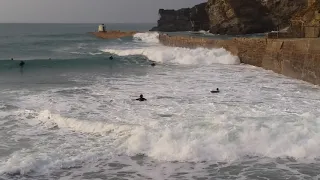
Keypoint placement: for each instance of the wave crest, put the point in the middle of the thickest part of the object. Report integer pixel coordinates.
(179, 55)
(55, 120)
(149, 37)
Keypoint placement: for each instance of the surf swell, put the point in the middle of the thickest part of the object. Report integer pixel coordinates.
(218, 141)
(147, 37)
(185, 56)
(55, 120)
(94, 61)
(163, 54)
(227, 143)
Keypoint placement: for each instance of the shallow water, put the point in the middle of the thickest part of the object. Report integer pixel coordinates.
(74, 118)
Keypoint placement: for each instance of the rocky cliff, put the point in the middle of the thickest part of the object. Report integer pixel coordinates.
(186, 19)
(231, 16)
(238, 17)
(281, 11)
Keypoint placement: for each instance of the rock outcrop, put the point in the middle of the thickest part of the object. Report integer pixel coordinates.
(238, 17)
(281, 11)
(186, 19)
(232, 17)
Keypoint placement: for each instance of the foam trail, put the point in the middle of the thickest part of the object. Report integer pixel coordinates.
(179, 55)
(52, 120)
(195, 145)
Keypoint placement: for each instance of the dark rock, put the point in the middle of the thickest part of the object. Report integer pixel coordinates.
(282, 11)
(238, 17)
(231, 17)
(199, 17)
(186, 19)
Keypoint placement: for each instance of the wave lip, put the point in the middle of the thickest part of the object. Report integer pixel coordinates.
(179, 55)
(55, 120)
(148, 37)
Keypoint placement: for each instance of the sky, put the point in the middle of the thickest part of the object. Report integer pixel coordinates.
(87, 11)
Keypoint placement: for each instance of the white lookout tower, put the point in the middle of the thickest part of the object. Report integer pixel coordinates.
(101, 28)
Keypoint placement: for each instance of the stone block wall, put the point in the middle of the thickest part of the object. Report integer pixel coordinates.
(297, 58)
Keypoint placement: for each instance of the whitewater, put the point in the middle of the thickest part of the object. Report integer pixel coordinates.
(74, 116)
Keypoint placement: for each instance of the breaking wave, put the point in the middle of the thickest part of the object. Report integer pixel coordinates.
(149, 37)
(177, 55)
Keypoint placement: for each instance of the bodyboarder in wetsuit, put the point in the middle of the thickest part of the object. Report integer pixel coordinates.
(141, 98)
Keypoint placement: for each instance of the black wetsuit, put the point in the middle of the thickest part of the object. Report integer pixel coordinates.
(21, 64)
(111, 57)
(217, 91)
(141, 98)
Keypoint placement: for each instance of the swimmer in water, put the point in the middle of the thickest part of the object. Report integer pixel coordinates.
(110, 57)
(153, 64)
(141, 98)
(21, 64)
(216, 91)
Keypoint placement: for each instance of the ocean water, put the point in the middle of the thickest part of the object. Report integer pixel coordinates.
(69, 112)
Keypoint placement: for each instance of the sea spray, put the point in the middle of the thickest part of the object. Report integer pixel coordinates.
(184, 56)
(176, 55)
(148, 37)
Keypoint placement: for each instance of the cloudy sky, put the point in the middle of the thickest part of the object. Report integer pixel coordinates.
(86, 11)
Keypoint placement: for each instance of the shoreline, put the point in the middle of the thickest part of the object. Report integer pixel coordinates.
(297, 58)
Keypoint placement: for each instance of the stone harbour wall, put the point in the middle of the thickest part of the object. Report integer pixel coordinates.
(297, 58)
(113, 34)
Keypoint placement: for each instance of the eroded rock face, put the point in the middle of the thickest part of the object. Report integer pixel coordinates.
(232, 17)
(281, 11)
(199, 17)
(186, 19)
(238, 17)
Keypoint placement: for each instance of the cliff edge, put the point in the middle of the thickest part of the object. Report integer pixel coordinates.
(238, 17)
(186, 19)
(231, 17)
(282, 11)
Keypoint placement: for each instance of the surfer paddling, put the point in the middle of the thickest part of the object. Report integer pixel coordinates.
(215, 91)
(141, 98)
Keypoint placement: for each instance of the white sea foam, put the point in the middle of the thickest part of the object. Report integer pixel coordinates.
(148, 37)
(197, 131)
(164, 54)
(223, 139)
(256, 114)
(52, 120)
(177, 55)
